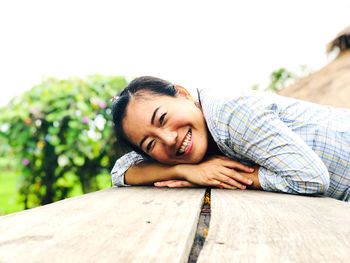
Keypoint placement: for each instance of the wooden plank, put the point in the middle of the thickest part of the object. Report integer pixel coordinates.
(134, 224)
(257, 226)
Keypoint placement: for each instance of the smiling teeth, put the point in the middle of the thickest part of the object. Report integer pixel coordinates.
(185, 142)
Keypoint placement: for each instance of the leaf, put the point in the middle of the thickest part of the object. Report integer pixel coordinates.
(73, 124)
(105, 161)
(53, 130)
(54, 140)
(79, 160)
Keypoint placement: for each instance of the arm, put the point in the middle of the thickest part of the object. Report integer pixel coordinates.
(218, 171)
(287, 163)
(215, 171)
(122, 165)
(253, 176)
(135, 169)
(146, 173)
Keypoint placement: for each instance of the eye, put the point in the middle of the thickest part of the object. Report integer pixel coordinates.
(161, 119)
(149, 145)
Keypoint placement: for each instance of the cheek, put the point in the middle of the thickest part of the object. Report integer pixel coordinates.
(161, 156)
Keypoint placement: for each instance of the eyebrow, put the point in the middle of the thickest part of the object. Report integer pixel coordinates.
(152, 121)
(154, 114)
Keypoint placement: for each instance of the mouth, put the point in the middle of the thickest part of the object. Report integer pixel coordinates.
(186, 144)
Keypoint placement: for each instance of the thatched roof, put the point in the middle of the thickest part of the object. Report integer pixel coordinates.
(331, 84)
(341, 41)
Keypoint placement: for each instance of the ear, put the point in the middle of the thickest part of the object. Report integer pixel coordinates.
(183, 92)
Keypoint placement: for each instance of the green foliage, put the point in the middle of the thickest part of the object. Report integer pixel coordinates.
(61, 135)
(8, 193)
(281, 78)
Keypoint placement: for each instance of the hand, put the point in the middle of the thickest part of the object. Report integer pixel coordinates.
(175, 183)
(217, 171)
(254, 176)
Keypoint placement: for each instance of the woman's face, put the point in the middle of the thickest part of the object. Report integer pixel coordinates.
(171, 130)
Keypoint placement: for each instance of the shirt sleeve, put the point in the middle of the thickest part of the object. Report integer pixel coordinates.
(122, 165)
(287, 163)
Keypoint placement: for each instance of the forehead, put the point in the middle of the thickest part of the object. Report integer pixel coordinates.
(146, 102)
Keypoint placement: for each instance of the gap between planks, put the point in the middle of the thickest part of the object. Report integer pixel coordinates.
(202, 228)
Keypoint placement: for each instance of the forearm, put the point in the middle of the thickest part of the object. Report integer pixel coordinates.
(147, 173)
(215, 171)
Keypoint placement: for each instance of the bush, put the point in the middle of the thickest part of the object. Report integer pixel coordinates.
(61, 135)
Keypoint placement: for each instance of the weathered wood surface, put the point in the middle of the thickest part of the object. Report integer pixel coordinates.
(134, 224)
(256, 226)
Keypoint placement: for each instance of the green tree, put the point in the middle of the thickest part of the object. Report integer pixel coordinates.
(281, 78)
(61, 135)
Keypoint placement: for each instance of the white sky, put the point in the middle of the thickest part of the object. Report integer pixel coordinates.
(220, 44)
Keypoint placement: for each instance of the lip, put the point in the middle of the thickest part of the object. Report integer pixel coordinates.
(189, 147)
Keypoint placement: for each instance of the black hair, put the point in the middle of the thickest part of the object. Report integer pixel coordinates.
(153, 85)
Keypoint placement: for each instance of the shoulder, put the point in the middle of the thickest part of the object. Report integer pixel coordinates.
(218, 107)
(211, 105)
(234, 99)
(224, 111)
(221, 109)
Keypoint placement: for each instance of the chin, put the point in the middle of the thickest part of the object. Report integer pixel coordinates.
(198, 157)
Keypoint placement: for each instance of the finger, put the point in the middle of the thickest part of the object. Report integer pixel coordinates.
(229, 181)
(180, 184)
(174, 183)
(241, 178)
(227, 177)
(163, 183)
(236, 176)
(236, 165)
(159, 184)
(224, 185)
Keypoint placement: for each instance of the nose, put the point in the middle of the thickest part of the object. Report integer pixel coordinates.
(168, 137)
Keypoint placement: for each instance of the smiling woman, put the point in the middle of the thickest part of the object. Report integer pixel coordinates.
(171, 130)
(163, 123)
(294, 146)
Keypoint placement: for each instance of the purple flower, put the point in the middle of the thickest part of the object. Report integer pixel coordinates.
(103, 104)
(25, 161)
(85, 120)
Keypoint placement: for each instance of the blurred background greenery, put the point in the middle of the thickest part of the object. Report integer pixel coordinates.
(57, 141)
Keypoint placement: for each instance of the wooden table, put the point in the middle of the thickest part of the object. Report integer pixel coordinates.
(147, 224)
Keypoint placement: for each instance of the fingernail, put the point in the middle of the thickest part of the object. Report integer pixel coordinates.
(250, 181)
(251, 169)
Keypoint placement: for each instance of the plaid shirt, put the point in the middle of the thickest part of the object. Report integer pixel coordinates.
(301, 147)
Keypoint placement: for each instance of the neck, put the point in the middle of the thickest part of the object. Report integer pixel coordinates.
(213, 149)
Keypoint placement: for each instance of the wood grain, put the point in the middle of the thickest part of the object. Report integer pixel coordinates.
(257, 226)
(134, 224)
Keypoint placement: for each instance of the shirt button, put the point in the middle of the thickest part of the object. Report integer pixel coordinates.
(235, 148)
